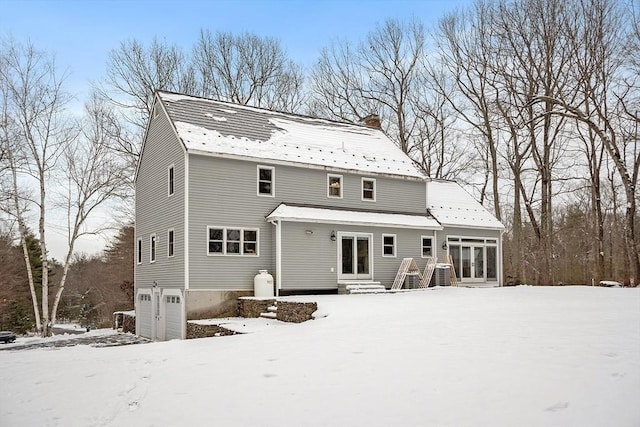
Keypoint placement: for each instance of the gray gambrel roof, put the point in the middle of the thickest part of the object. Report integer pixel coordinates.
(225, 129)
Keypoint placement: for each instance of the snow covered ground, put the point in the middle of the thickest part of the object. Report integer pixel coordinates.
(519, 356)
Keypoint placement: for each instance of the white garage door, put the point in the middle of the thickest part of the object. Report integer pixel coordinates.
(173, 316)
(144, 315)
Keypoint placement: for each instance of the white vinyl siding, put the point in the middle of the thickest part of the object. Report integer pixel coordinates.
(334, 186)
(232, 241)
(266, 181)
(368, 190)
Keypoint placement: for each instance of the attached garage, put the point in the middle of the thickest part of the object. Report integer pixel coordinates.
(173, 309)
(144, 314)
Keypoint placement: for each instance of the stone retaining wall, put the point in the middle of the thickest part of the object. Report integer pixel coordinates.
(252, 307)
(195, 330)
(295, 312)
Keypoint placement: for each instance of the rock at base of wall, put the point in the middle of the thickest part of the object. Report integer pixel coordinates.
(252, 307)
(295, 312)
(195, 330)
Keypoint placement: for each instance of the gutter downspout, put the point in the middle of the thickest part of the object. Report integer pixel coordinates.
(278, 225)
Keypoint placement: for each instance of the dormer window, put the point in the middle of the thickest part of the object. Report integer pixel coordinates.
(266, 181)
(369, 189)
(334, 183)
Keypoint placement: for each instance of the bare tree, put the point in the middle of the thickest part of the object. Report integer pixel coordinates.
(349, 83)
(247, 69)
(601, 107)
(94, 176)
(41, 144)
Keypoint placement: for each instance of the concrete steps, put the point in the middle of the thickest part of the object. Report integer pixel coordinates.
(361, 288)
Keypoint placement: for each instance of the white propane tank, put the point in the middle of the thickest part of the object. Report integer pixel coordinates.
(263, 284)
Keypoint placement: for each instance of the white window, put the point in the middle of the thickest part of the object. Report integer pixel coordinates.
(170, 180)
(139, 251)
(144, 297)
(232, 241)
(427, 246)
(334, 186)
(170, 243)
(266, 181)
(369, 189)
(173, 299)
(388, 245)
(152, 248)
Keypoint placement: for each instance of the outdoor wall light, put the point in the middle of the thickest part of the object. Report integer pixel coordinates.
(308, 232)
(333, 236)
(444, 246)
(155, 284)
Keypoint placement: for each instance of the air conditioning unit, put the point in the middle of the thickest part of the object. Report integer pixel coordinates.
(443, 275)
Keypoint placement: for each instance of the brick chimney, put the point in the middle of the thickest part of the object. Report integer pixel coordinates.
(372, 121)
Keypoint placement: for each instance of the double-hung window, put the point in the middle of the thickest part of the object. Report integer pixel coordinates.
(170, 243)
(427, 246)
(334, 186)
(152, 248)
(369, 189)
(139, 251)
(388, 245)
(170, 180)
(232, 241)
(266, 181)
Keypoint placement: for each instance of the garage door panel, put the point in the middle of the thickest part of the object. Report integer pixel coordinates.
(144, 315)
(173, 317)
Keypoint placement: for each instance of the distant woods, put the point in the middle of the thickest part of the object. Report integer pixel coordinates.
(533, 104)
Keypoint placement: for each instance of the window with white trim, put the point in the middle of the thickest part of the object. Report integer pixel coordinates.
(427, 246)
(232, 241)
(266, 181)
(152, 248)
(173, 299)
(144, 297)
(334, 186)
(170, 180)
(369, 189)
(388, 245)
(170, 243)
(139, 251)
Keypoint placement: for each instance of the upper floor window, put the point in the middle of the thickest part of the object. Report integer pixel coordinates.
(334, 186)
(389, 245)
(170, 180)
(170, 243)
(152, 248)
(139, 251)
(427, 246)
(369, 189)
(232, 241)
(266, 181)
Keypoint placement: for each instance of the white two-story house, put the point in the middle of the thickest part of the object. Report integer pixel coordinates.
(225, 190)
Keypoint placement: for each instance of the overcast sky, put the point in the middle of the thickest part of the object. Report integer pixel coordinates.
(82, 33)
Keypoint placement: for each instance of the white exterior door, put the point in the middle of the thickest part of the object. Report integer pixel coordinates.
(355, 257)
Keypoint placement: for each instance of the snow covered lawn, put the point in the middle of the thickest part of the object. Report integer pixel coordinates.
(519, 356)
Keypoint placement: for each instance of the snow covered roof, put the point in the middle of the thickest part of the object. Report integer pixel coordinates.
(226, 129)
(335, 216)
(451, 205)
